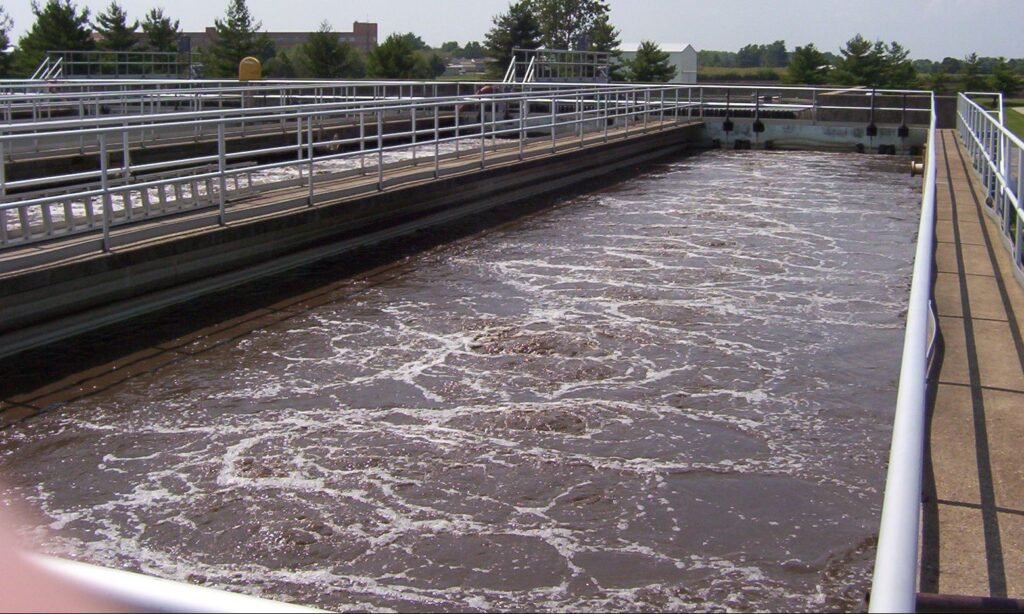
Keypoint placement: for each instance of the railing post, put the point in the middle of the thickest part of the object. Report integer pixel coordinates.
(647, 107)
(222, 177)
(413, 129)
(607, 111)
(437, 137)
(524, 108)
(107, 208)
(483, 137)
(3, 195)
(629, 110)
(309, 155)
(298, 142)
(457, 114)
(554, 103)
(579, 116)
(362, 143)
(380, 150)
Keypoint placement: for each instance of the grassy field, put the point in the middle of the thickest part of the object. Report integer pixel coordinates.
(1013, 119)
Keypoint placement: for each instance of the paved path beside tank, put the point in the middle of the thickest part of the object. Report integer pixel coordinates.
(973, 529)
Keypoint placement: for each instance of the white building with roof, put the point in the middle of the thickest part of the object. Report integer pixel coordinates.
(681, 55)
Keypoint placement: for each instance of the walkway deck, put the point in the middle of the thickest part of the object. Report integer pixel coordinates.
(973, 529)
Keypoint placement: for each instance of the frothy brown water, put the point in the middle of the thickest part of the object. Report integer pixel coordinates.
(673, 394)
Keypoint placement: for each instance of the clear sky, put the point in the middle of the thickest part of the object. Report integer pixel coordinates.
(931, 29)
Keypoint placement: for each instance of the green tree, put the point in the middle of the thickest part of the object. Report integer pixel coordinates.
(650, 65)
(431, 65)
(115, 32)
(605, 37)
(568, 24)
(897, 69)
(161, 33)
(415, 41)
(450, 47)
(725, 59)
(972, 79)
(323, 56)
(951, 65)
(938, 81)
(875, 65)
(1004, 79)
(775, 55)
(282, 65)
(861, 63)
(516, 28)
(59, 26)
(807, 66)
(473, 50)
(925, 66)
(5, 41)
(750, 56)
(237, 36)
(395, 58)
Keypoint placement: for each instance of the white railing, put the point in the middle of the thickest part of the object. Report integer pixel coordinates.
(317, 127)
(48, 69)
(122, 192)
(894, 586)
(997, 155)
(134, 592)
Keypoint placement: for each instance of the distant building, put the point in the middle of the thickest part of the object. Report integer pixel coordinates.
(462, 66)
(681, 55)
(363, 37)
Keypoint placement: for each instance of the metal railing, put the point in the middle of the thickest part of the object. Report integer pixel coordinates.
(323, 143)
(115, 64)
(32, 102)
(48, 69)
(324, 133)
(135, 592)
(894, 585)
(997, 156)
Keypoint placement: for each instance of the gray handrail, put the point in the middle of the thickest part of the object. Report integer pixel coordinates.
(894, 585)
(139, 592)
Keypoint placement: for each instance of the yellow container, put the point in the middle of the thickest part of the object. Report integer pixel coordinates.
(249, 69)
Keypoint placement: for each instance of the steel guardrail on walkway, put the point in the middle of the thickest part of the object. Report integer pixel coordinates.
(997, 156)
(894, 585)
(134, 592)
(311, 121)
(122, 192)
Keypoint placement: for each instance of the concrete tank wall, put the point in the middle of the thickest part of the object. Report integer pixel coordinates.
(54, 302)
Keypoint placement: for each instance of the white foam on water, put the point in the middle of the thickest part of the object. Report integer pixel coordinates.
(629, 402)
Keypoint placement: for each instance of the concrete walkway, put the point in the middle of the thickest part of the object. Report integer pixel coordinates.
(973, 529)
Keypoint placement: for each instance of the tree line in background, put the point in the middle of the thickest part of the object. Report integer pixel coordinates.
(556, 24)
(61, 26)
(579, 25)
(861, 62)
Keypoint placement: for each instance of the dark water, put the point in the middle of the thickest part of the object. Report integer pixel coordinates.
(672, 394)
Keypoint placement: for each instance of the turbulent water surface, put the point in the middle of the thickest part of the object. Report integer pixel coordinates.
(672, 394)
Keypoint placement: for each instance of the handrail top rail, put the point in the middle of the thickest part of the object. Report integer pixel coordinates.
(29, 130)
(1002, 128)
